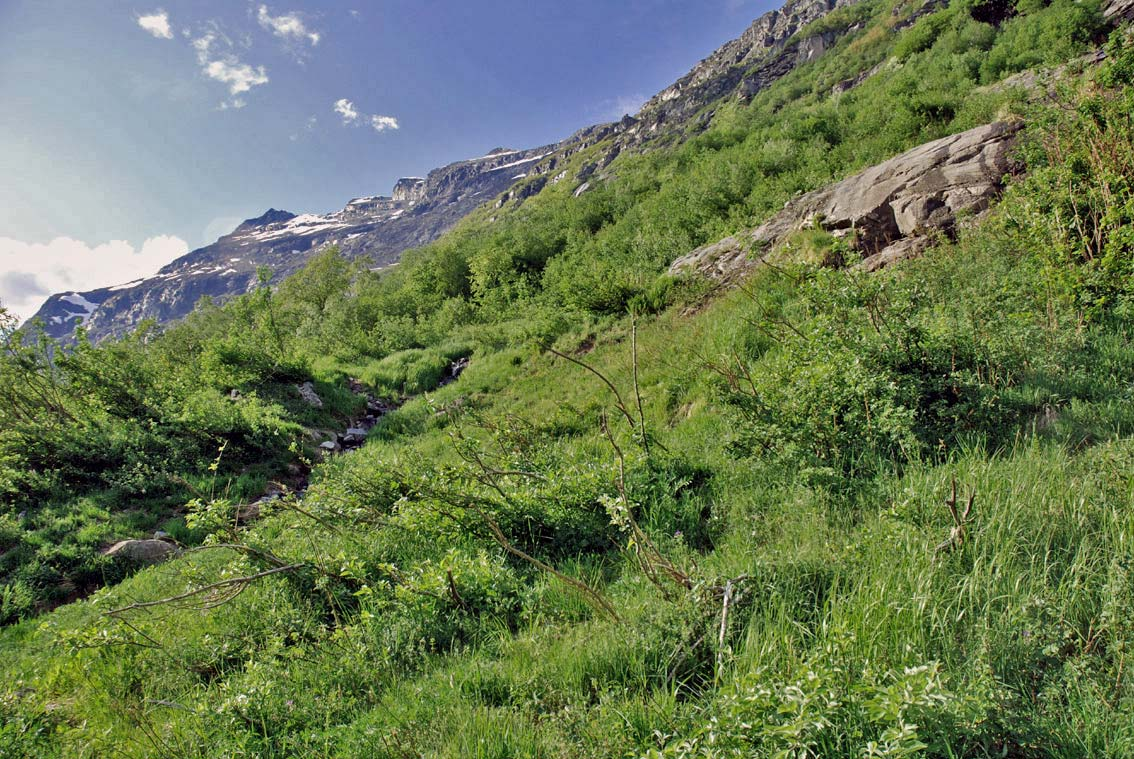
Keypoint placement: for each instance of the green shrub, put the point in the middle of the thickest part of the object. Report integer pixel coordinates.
(1076, 205)
(823, 710)
(863, 377)
(924, 32)
(1057, 33)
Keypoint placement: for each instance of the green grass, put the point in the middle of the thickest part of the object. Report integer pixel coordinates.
(801, 474)
(1027, 622)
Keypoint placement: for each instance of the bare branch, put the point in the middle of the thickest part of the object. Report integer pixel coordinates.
(959, 532)
(637, 390)
(239, 582)
(728, 588)
(620, 404)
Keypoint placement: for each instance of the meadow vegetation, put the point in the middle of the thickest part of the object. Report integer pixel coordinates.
(829, 513)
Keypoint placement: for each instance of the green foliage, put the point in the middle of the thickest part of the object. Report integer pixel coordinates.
(411, 372)
(101, 443)
(839, 20)
(924, 32)
(1077, 203)
(498, 572)
(822, 711)
(24, 732)
(1045, 38)
(1031, 35)
(863, 373)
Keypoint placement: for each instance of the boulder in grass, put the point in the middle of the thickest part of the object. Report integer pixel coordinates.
(143, 551)
(890, 211)
(309, 396)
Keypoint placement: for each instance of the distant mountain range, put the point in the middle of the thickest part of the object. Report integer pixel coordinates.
(420, 210)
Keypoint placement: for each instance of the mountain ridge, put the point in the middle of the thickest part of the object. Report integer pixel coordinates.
(419, 210)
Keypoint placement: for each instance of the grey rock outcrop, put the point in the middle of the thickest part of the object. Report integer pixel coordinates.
(143, 551)
(731, 65)
(920, 190)
(309, 396)
(725, 261)
(889, 208)
(409, 190)
(1117, 11)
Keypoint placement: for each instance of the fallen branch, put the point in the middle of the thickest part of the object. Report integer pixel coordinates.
(619, 403)
(239, 582)
(649, 556)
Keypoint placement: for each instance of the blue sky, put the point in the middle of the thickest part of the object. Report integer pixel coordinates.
(132, 131)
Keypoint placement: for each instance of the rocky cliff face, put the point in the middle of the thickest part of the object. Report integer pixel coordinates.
(770, 48)
(409, 190)
(734, 67)
(380, 227)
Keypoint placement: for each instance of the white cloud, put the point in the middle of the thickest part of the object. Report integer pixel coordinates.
(203, 45)
(346, 109)
(157, 24)
(32, 271)
(227, 68)
(351, 116)
(382, 123)
(240, 77)
(288, 27)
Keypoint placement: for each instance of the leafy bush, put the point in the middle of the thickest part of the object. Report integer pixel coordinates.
(823, 710)
(1045, 38)
(862, 378)
(924, 32)
(1076, 205)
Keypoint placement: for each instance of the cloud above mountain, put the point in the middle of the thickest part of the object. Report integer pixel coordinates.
(223, 66)
(216, 52)
(382, 123)
(346, 111)
(31, 271)
(351, 116)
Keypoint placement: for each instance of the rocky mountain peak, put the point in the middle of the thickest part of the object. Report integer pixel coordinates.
(409, 190)
(769, 49)
(271, 216)
(735, 63)
(376, 227)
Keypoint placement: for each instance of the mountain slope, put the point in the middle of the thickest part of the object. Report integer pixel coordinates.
(830, 512)
(419, 211)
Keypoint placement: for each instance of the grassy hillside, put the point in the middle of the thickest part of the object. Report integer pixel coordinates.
(828, 513)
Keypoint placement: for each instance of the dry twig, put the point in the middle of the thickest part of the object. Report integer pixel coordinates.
(958, 534)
